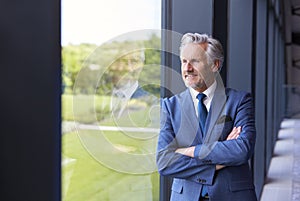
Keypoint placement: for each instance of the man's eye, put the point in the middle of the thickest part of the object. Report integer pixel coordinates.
(195, 61)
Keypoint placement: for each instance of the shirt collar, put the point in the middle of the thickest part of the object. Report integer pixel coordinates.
(209, 92)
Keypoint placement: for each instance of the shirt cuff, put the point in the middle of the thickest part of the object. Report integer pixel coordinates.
(197, 151)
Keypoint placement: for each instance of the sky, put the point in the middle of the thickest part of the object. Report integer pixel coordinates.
(98, 21)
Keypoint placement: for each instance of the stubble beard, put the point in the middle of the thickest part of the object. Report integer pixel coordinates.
(199, 85)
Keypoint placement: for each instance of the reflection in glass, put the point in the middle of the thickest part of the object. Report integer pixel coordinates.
(111, 119)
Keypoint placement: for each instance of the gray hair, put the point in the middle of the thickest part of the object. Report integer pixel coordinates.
(214, 50)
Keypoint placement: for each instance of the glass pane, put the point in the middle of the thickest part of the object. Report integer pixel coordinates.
(110, 105)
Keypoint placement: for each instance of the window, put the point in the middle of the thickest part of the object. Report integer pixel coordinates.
(110, 101)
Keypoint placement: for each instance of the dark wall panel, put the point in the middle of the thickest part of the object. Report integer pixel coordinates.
(259, 167)
(239, 51)
(270, 132)
(220, 31)
(30, 100)
(187, 19)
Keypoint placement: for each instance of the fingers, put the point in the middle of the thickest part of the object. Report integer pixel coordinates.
(234, 134)
(219, 167)
(189, 151)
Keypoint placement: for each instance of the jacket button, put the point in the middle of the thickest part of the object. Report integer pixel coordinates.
(201, 180)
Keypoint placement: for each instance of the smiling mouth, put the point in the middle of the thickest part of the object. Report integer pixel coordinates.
(190, 76)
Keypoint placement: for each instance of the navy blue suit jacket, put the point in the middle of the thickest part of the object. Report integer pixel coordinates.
(180, 128)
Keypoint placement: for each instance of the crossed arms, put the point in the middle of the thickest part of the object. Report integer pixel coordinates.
(186, 162)
(189, 151)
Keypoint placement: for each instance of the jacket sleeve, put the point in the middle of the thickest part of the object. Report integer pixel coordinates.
(174, 164)
(238, 151)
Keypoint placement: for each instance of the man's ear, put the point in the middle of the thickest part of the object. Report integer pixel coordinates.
(216, 66)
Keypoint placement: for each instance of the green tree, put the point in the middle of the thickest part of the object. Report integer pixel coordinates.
(102, 67)
(73, 57)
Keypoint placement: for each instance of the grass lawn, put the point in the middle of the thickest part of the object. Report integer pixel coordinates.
(85, 178)
(92, 171)
(83, 107)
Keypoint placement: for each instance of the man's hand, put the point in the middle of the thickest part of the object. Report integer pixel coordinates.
(189, 151)
(235, 133)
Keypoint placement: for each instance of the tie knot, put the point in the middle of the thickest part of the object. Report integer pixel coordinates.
(201, 96)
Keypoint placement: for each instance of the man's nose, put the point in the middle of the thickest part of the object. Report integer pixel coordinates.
(188, 66)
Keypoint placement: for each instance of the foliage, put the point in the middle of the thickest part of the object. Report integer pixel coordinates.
(72, 58)
(88, 69)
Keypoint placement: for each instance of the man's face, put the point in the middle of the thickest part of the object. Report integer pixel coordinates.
(196, 71)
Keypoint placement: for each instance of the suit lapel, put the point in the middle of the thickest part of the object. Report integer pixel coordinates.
(189, 117)
(217, 106)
